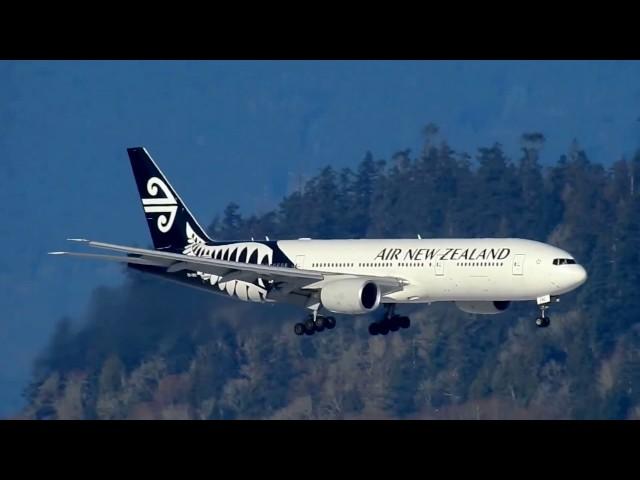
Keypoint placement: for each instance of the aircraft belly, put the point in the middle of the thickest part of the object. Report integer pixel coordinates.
(467, 288)
(491, 287)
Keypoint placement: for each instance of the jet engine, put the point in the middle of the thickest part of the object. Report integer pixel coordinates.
(483, 308)
(351, 296)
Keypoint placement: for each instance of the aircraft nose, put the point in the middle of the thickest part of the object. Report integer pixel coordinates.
(581, 275)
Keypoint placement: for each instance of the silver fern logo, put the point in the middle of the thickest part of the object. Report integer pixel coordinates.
(163, 205)
(241, 251)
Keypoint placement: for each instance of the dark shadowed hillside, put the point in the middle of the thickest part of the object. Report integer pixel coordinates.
(149, 349)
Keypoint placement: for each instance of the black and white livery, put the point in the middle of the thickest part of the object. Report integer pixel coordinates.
(349, 277)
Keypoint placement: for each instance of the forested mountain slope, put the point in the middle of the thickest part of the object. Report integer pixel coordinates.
(150, 349)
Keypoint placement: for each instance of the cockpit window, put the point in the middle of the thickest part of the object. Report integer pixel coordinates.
(563, 261)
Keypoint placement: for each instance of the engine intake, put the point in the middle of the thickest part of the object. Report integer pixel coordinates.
(351, 296)
(483, 308)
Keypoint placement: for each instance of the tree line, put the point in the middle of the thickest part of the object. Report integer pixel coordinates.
(148, 349)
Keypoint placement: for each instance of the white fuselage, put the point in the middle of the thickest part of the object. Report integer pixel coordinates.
(491, 269)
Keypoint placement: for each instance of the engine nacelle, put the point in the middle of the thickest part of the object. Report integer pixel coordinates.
(351, 296)
(483, 308)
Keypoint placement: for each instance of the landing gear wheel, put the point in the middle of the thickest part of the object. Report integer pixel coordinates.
(404, 322)
(330, 322)
(383, 328)
(374, 329)
(543, 322)
(310, 326)
(394, 324)
(320, 323)
(299, 329)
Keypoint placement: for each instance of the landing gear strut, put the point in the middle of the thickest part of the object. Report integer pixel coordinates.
(314, 323)
(390, 322)
(544, 303)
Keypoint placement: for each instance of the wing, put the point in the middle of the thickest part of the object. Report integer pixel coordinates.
(289, 279)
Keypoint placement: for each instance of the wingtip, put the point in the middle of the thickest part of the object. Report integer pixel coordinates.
(57, 253)
(77, 239)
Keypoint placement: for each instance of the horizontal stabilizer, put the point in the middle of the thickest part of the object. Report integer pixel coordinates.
(114, 258)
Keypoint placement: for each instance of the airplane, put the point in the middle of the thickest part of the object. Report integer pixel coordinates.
(349, 276)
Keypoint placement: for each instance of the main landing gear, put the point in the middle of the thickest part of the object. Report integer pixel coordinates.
(543, 321)
(315, 323)
(390, 322)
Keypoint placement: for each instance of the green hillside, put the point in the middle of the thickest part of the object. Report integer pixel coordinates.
(150, 349)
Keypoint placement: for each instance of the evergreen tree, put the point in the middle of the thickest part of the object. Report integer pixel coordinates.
(530, 201)
(145, 347)
(497, 182)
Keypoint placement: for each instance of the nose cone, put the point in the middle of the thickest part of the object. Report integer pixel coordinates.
(566, 278)
(580, 275)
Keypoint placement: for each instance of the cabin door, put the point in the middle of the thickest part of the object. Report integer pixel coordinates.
(518, 265)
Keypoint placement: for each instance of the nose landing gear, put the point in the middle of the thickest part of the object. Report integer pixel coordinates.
(544, 303)
(543, 322)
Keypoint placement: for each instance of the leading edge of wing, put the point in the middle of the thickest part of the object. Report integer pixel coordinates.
(177, 261)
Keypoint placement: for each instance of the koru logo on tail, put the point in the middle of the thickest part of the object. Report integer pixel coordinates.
(166, 205)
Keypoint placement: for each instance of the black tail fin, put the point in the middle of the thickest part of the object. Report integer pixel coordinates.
(170, 221)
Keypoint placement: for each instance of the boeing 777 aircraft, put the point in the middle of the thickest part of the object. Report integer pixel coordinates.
(481, 275)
